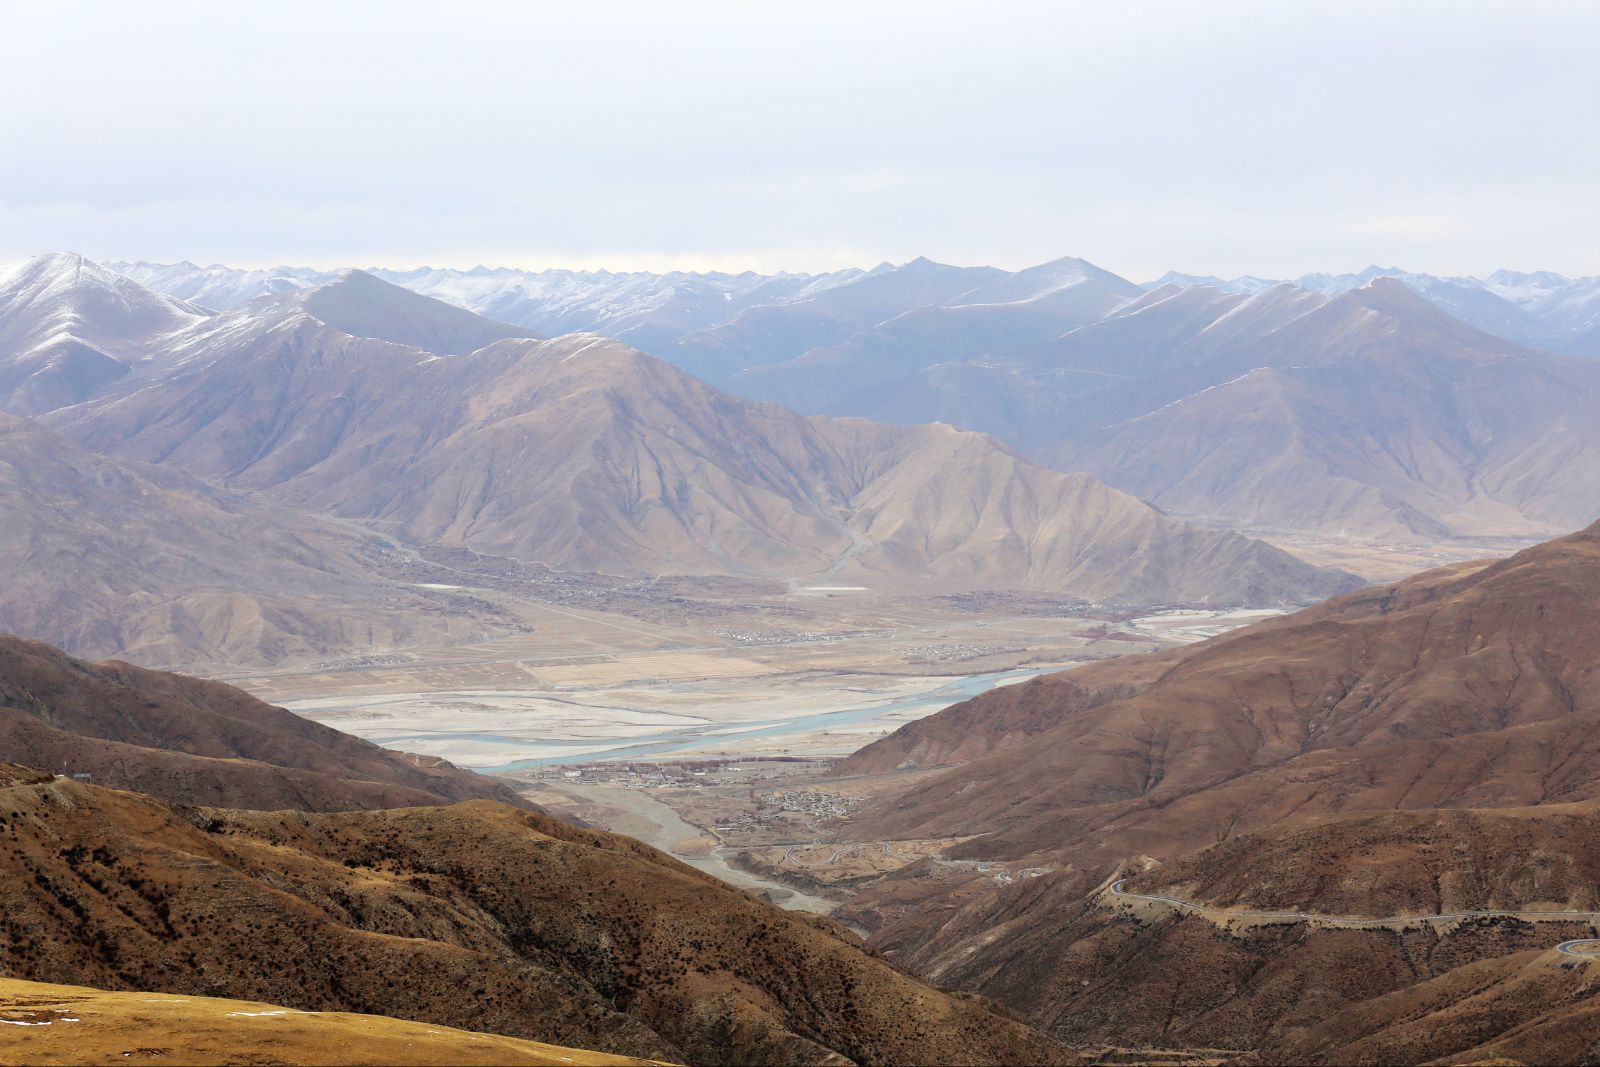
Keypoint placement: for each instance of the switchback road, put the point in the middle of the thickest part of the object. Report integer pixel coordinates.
(1585, 946)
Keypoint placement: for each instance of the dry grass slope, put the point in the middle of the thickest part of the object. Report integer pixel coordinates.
(66, 1025)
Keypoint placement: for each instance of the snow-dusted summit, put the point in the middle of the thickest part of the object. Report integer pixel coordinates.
(68, 326)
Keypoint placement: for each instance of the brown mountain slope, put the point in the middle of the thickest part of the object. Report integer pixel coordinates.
(585, 454)
(1095, 969)
(105, 558)
(1460, 687)
(934, 502)
(478, 916)
(1313, 755)
(1007, 716)
(1427, 862)
(65, 1024)
(1528, 1007)
(191, 741)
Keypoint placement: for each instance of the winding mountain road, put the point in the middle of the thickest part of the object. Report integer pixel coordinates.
(1571, 948)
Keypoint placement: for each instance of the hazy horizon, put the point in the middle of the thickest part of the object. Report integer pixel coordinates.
(718, 136)
(601, 267)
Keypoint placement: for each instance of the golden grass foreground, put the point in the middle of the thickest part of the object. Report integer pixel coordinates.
(42, 1023)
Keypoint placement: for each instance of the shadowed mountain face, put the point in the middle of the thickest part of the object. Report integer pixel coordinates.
(478, 916)
(191, 741)
(585, 454)
(106, 558)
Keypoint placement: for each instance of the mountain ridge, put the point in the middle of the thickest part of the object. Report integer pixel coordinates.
(192, 741)
(501, 920)
(1427, 748)
(1355, 694)
(70, 328)
(1374, 413)
(584, 454)
(112, 558)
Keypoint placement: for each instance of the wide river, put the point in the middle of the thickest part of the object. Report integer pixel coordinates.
(478, 744)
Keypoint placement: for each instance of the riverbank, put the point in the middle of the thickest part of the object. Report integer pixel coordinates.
(816, 714)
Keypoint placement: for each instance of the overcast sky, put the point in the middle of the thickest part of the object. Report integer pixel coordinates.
(1270, 138)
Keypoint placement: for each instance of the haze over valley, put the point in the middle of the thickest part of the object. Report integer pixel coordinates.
(898, 534)
(718, 616)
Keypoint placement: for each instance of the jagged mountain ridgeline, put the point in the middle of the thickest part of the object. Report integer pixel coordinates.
(352, 399)
(1384, 404)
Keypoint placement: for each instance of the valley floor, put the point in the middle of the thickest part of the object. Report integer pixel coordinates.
(1379, 561)
(702, 716)
(698, 723)
(786, 672)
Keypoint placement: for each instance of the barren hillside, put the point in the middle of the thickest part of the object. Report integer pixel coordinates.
(478, 916)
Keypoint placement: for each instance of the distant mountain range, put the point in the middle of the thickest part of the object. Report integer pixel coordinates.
(583, 453)
(217, 441)
(1334, 405)
(1372, 413)
(1541, 309)
(643, 309)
